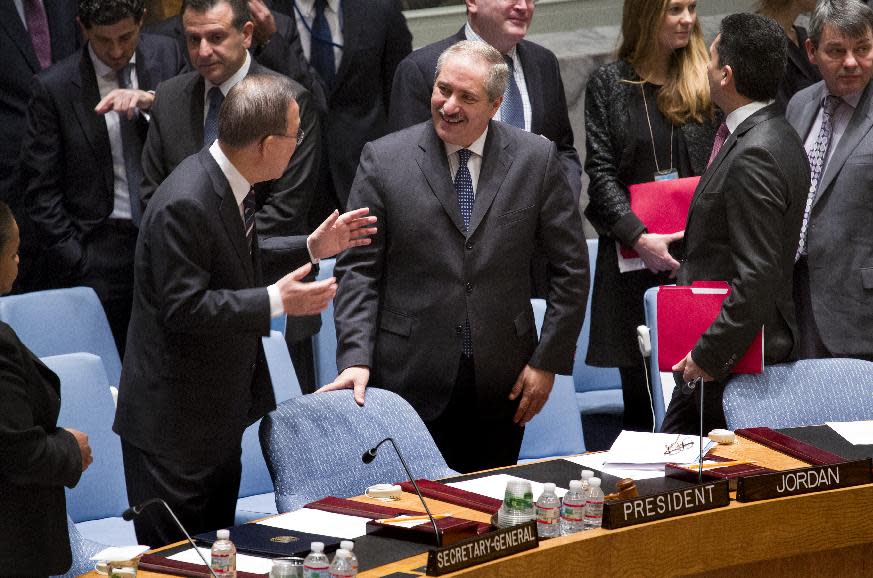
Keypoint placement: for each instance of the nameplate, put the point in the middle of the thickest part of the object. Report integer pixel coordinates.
(697, 498)
(482, 549)
(804, 480)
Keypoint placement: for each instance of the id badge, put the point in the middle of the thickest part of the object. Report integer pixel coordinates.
(667, 175)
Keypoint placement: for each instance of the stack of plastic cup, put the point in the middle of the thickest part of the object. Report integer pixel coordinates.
(518, 504)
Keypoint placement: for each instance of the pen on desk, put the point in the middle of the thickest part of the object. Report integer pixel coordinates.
(720, 465)
(412, 518)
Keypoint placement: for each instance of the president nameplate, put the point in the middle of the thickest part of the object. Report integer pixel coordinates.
(804, 481)
(621, 513)
(482, 549)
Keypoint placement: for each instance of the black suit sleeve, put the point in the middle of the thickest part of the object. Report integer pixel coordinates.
(410, 96)
(154, 165)
(398, 45)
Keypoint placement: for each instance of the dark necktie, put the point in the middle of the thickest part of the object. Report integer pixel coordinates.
(321, 46)
(210, 128)
(817, 158)
(249, 207)
(512, 109)
(721, 136)
(37, 27)
(132, 147)
(464, 189)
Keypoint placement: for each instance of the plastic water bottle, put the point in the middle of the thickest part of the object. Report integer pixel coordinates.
(593, 505)
(350, 546)
(341, 567)
(223, 555)
(586, 475)
(316, 565)
(573, 509)
(548, 513)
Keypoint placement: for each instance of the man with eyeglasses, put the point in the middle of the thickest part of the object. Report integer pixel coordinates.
(195, 376)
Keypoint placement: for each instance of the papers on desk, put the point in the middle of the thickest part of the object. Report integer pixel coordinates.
(118, 553)
(495, 486)
(320, 522)
(855, 432)
(647, 451)
(595, 461)
(244, 562)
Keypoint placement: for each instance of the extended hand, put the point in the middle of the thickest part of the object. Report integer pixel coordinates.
(299, 298)
(262, 18)
(340, 232)
(652, 249)
(690, 370)
(355, 377)
(125, 101)
(84, 447)
(534, 385)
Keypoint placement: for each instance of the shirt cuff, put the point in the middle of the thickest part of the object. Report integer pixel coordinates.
(276, 307)
(312, 258)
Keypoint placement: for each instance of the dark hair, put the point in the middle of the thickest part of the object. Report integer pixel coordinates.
(852, 18)
(6, 222)
(240, 9)
(105, 12)
(256, 107)
(755, 47)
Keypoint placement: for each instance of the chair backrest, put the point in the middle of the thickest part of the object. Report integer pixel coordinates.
(806, 392)
(313, 444)
(60, 321)
(557, 429)
(324, 342)
(255, 476)
(662, 389)
(83, 549)
(86, 405)
(587, 377)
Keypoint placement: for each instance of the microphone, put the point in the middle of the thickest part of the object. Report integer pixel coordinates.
(370, 455)
(134, 511)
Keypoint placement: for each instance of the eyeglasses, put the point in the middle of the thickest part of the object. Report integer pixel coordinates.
(298, 137)
(677, 446)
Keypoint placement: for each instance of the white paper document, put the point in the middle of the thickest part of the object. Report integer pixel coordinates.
(244, 562)
(495, 486)
(320, 522)
(119, 553)
(649, 451)
(856, 432)
(594, 461)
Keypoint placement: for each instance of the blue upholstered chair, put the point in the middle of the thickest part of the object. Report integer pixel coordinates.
(83, 549)
(313, 444)
(61, 321)
(557, 429)
(662, 389)
(811, 391)
(256, 497)
(97, 501)
(324, 342)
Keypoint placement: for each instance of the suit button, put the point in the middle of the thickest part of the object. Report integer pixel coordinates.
(469, 245)
(459, 330)
(469, 288)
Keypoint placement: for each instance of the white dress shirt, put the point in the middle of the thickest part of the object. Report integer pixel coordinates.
(736, 118)
(306, 16)
(474, 163)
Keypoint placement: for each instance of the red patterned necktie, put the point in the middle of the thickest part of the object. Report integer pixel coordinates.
(721, 135)
(37, 27)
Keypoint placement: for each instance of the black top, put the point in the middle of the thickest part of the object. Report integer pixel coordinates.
(799, 72)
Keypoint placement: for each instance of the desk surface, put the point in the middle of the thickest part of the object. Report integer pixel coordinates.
(822, 534)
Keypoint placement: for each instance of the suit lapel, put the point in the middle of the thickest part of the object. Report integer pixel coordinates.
(354, 17)
(808, 114)
(534, 83)
(495, 166)
(11, 21)
(229, 212)
(144, 72)
(435, 166)
(93, 124)
(194, 92)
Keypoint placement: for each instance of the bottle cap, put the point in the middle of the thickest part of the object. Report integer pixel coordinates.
(347, 545)
(575, 485)
(223, 534)
(549, 487)
(587, 474)
(342, 553)
(594, 482)
(317, 547)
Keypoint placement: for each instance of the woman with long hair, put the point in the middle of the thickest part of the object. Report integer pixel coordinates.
(799, 72)
(648, 116)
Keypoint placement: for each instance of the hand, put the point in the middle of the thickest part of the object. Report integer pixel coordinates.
(125, 101)
(84, 447)
(652, 249)
(354, 377)
(340, 232)
(690, 370)
(534, 385)
(262, 18)
(299, 298)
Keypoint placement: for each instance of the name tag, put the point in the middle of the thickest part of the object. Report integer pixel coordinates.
(482, 548)
(618, 514)
(804, 480)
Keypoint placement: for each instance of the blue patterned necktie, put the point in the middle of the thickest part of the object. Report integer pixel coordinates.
(817, 158)
(512, 109)
(210, 128)
(249, 207)
(321, 54)
(132, 151)
(464, 189)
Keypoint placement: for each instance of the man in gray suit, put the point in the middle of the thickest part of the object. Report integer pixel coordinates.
(833, 276)
(438, 308)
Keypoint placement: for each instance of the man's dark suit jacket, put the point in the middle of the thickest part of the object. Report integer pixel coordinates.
(413, 85)
(37, 459)
(66, 155)
(742, 227)
(194, 375)
(402, 301)
(19, 65)
(840, 240)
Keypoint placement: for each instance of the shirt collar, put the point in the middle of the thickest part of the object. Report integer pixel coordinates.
(235, 77)
(101, 69)
(736, 118)
(238, 183)
(470, 34)
(308, 6)
(851, 99)
(477, 148)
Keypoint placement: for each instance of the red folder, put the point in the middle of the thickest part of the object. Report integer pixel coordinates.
(684, 313)
(662, 206)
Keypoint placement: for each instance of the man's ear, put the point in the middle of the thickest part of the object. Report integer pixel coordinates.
(810, 51)
(727, 75)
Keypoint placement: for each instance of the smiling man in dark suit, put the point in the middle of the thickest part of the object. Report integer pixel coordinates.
(87, 120)
(438, 308)
(744, 218)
